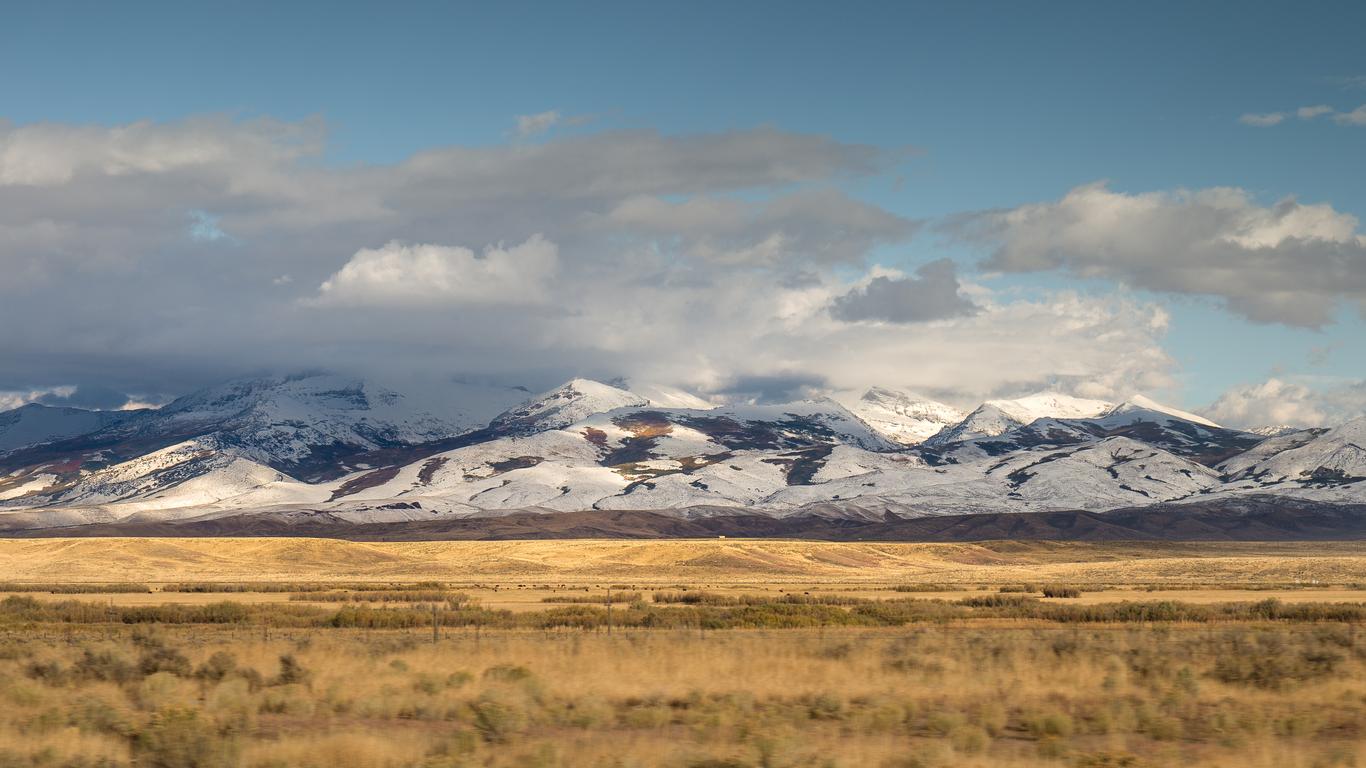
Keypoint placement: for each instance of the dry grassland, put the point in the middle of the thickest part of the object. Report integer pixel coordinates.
(678, 561)
(297, 653)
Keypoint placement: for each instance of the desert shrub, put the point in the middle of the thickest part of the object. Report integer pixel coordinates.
(179, 738)
(997, 601)
(48, 671)
(216, 667)
(498, 718)
(76, 589)
(1060, 591)
(507, 673)
(969, 739)
(106, 664)
(164, 659)
(1273, 667)
(92, 714)
(1050, 724)
(291, 672)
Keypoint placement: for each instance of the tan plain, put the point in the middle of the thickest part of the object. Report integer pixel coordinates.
(765, 563)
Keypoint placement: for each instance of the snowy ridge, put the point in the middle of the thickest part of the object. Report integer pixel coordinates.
(996, 417)
(588, 445)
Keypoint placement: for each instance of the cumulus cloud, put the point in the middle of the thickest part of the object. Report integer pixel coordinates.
(416, 275)
(933, 294)
(1288, 263)
(1309, 113)
(1290, 402)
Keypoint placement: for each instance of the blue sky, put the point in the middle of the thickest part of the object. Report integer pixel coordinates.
(997, 105)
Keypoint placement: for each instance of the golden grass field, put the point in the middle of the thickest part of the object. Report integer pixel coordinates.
(306, 653)
(712, 561)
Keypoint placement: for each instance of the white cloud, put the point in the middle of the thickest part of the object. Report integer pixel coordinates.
(1268, 119)
(1289, 262)
(1262, 120)
(399, 275)
(1290, 402)
(530, 125)
(1355, 117)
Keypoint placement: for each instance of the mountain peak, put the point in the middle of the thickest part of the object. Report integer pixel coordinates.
(1141, 403)
(901, 416)
(571, 402)
(996, 417)
(1048, 404)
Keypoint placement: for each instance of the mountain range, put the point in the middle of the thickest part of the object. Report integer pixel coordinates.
(317, 450)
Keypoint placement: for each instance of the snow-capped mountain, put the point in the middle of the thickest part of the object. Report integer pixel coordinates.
(301, 422)
(900, 416)
(1140, 409)
(568, 403)
(312, 426)
(995, 417)
(35, 424)
(1311, 458)
(1181, 433)
(193, 473)
(353, 451)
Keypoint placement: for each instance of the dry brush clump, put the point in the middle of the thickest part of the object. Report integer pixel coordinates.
(77, 589)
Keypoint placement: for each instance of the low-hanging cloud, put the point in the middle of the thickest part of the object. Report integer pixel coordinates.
(933, 294)
(1290, 262)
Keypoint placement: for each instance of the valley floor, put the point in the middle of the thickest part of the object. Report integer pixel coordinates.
(681, 561)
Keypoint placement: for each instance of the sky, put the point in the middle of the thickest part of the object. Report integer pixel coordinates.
(745, 200)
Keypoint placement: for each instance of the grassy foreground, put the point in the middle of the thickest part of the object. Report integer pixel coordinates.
(711, 655)
(996, 680)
